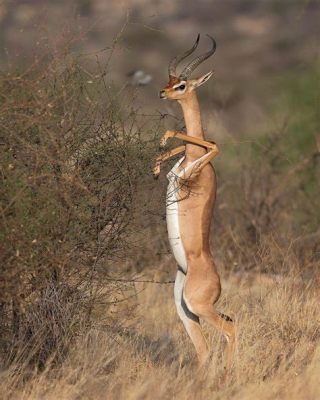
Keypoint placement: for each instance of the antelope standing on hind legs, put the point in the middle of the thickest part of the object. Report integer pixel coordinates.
(190, 202)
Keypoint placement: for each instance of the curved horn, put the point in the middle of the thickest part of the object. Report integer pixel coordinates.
(175, 61)
(197, 61)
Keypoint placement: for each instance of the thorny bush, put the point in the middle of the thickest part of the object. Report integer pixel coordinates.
(71, 159)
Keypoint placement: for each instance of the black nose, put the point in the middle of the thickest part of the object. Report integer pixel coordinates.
(162, 94)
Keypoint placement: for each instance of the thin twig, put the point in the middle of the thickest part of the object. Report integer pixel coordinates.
(139, 281)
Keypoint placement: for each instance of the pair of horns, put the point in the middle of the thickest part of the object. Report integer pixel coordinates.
(193, 64)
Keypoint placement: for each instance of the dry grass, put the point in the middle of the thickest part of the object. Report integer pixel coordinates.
(278, 354)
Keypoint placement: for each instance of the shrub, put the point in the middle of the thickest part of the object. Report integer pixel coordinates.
(71, 161)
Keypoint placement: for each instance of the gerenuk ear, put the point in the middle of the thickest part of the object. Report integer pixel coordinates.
(204, 78)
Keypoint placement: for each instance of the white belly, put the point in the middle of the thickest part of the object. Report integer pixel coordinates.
(173, 220)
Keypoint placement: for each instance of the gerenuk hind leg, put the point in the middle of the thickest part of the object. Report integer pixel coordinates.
(190, 320)
(201, 302)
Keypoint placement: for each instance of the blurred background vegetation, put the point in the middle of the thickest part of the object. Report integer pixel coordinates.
(81, 217)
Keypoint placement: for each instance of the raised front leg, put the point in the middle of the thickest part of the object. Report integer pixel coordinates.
(164, 157)
(198, 165)
(165, 137)
(188, 139)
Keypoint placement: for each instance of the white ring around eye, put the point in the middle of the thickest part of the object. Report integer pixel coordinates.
(178, 86)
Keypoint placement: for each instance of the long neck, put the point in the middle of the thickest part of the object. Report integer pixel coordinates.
(192, 115)
(192, 118)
